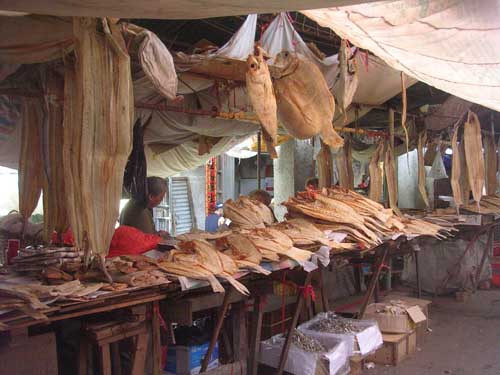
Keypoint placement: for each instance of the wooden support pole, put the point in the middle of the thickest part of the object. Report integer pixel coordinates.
(417, 272)
(293, 325)
(155, 328)
(258, 312)
(324, 296)
(486, 251)
(218, 326)
(374, 279)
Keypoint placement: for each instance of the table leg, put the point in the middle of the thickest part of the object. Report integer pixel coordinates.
(155, 328)
(288, 340)
(417, 272)
(105, 359)
(258, 312)
(373, 281)
(324, 296)
(486, 251)
(218, 326)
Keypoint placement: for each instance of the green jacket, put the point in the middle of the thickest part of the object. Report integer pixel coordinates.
(136, 215)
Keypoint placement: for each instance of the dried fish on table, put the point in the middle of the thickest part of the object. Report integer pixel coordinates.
(305, 104)
(273, 244)
(474, 155)
(376, 173)
(422, 139)
(98, 113)
(247, 213)
(242, 251)
(261, 93)
(199, 259)
(303, 233)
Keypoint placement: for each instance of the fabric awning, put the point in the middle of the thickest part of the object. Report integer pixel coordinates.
(449, 44)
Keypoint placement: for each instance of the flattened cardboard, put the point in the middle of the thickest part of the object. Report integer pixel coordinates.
(416, 314)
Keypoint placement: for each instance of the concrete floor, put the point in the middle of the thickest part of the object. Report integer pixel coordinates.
(465, 339)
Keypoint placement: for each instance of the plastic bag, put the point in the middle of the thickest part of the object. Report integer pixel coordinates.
(368, 340)
(130, 240)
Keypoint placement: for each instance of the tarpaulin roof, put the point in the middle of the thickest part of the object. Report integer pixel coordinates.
(165, 9)
(449, 44)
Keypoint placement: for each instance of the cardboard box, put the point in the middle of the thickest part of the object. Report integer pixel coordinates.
(395, 349)
(390, 323)
(186, 360)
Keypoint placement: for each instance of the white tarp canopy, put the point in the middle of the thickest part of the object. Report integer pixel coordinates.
(165, 9)
(453, 45)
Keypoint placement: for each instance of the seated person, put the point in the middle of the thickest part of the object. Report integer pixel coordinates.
(140, 214)
(261, 196)
(214, 219)
(312, 183)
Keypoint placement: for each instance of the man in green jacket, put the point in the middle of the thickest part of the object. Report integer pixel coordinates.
(140, 214)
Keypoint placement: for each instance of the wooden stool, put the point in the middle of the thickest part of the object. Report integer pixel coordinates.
(106, 336)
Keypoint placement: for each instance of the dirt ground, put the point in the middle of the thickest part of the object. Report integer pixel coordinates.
(465, 339)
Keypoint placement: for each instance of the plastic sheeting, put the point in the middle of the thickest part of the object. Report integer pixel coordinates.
(449, 44)
(165, 9)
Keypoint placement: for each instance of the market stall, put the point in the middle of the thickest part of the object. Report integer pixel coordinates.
(94, 105)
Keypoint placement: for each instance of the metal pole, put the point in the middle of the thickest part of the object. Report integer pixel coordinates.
(259, 150)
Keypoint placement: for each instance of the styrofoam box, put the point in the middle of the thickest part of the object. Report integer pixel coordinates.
(335, 361)
(364, 342)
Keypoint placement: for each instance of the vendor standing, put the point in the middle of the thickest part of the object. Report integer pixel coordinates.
(140, 214)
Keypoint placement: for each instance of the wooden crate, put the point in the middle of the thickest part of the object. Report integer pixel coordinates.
(356, 364)
(395, 349)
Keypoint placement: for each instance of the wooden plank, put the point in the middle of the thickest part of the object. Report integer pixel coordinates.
(258, 313)
(123, 335)
(239, 331)
(155, 331)
(116, 363)
(288, 340)
(139, 355)
(105, 360)
(83, 357)
(215, 336)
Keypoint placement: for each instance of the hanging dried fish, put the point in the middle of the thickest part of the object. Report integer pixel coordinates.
(347, 83)
(325, 165)
(490, 153)
(376, 173)
(54, 192)
(474, 155)
(30, 157)
(422, 139)
(403, 117)
(261, 93)
(390, 176)
(305, 104)
(464, 175)
(455, 170)
(344, 165)
(98, 132)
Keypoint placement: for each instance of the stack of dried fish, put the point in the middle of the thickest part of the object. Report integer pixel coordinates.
(135, 271)
(199, 259)
(274, 244)
(304, 233)
(364, 221)
(332, 323)
(489, 204)
(35, 259)
(242, 251)
(248, 213)
(306, 343)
